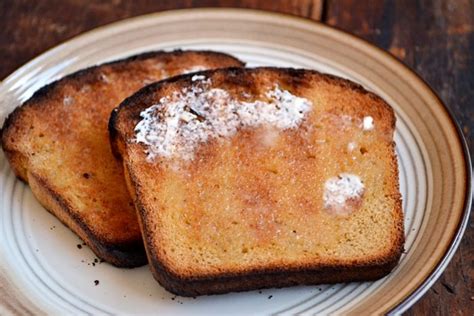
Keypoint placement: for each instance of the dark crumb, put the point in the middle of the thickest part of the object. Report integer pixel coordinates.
(125, 296)
(52, 227)
(194, 297)
(82, 261)
(86, 175)
(79, 246)
(173, 298)
(96, 282)
(96, 260)
(270, 297)
(83, 243)
(101, 260)
(88, 264)
(37, 250)
(93, 263)
(181, 303)
(320, 289)
(259, 292)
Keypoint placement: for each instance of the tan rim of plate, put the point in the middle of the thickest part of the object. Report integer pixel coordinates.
(448, 168)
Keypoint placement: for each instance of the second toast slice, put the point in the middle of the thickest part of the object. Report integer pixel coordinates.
(58, 143)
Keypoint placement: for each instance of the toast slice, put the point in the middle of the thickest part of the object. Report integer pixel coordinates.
(58, 143)
(266, 177)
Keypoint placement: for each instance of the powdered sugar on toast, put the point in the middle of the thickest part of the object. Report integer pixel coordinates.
(368, 123)
(343, 194)
(178, 123)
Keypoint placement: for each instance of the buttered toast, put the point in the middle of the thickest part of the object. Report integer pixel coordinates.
(265, 177)
(58, 143)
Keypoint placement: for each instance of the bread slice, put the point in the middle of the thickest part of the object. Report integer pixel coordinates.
(58, 143)
(266, 177)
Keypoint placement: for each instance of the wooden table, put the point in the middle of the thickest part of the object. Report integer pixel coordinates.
(435, 38)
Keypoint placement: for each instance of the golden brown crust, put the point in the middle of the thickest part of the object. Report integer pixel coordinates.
(58, 142)
(189, 280)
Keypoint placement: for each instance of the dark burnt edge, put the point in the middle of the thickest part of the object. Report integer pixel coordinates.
(113, 134)
(172, 281)
(125, 254)
(266, 278)
(389, 261)
(400, 241)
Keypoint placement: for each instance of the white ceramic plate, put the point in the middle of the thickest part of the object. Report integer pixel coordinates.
(42, 269)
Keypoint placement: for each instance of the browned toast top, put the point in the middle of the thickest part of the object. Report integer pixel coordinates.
(262, 198)
(60, 136)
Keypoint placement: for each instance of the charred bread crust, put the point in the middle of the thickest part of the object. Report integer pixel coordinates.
(127, 115)
(264, 278)
(129, 253)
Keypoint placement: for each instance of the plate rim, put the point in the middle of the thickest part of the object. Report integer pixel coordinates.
(417, 292)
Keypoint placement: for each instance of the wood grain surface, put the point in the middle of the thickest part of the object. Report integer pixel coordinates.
(433, 37)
